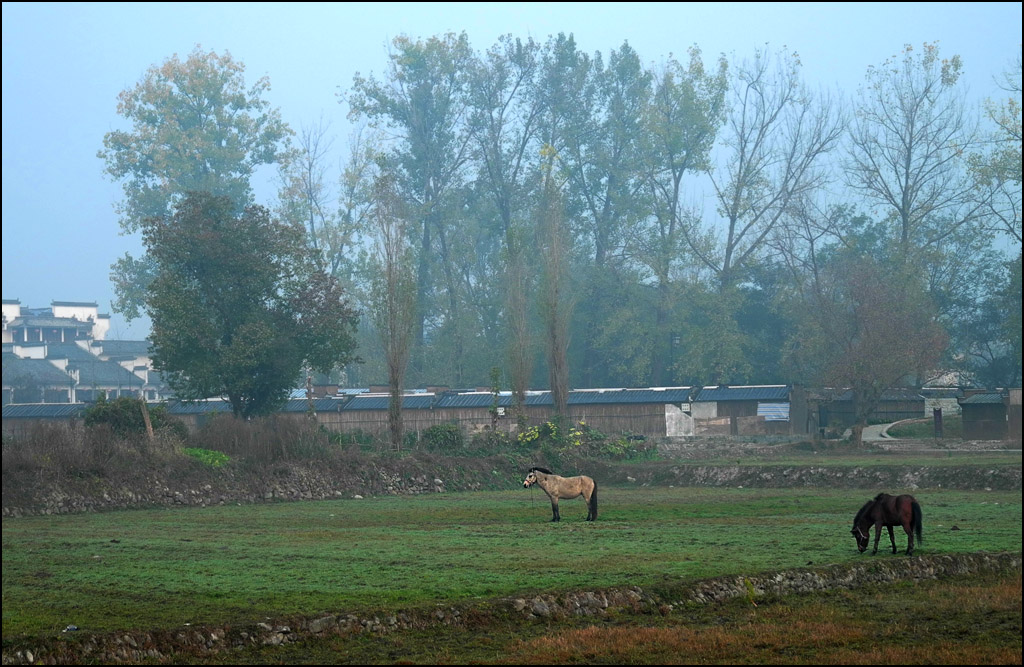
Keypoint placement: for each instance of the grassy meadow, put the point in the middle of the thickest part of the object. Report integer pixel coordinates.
(162, 568)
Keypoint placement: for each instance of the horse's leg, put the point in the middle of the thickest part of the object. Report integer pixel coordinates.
(910, 537)
(892, 539)
(878, 534)
(590, 510)
(554, 509)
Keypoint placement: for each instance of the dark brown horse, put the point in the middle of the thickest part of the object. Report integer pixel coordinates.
(557, 487)
(888, 511)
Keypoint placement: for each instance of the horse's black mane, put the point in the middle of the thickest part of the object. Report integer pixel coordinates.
(864, 510)
(543, 470)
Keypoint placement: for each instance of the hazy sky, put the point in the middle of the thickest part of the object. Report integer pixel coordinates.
(64, 65)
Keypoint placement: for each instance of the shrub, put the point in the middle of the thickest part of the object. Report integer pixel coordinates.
(265, 440)
(207, 456)
(444, 438)
(125, 418)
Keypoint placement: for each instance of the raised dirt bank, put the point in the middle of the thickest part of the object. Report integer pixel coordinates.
(673, 598)
(38, 494)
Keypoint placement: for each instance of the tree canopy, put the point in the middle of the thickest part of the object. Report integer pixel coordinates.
(241, 304)
(195, 127)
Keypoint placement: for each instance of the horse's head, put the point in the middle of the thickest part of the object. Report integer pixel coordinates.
(531, 479)
(861, 536)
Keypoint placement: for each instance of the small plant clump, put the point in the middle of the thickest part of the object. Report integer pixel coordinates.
(208, 457)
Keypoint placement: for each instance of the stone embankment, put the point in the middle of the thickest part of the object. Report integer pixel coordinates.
(137, 646)
(25, 495)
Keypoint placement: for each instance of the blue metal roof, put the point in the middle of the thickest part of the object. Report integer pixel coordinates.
(221, 406)
(198, 407)
(619, 396)
(748, 393)
(986, 398)
(380, 402)
(43, 410)
(472, 400)
(894, 394)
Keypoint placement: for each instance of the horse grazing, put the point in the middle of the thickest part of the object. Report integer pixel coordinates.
(888, 511)
(557, 487)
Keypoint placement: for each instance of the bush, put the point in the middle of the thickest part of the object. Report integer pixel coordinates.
(265, 440)
(124, 417)
(207, 456)
(63, 450)
(444, 439)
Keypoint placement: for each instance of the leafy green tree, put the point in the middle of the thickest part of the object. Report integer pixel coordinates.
(868, 327)
(504, 118)
(195, 127)
(240, 304)
(681, 123)
(423, 102)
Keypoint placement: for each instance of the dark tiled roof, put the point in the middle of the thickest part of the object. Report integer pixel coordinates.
(119, 348)
(941, 392)
(89, 304)
(95, 372)
(748, 393)
(70, 351)
(48, 321)
(38, 370)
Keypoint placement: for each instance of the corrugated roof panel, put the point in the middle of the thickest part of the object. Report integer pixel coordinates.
(747, 393)
(773, 412)
(198, 407)
(894, 394)
(472, 400)
(620, 396)
(380, 402)
(319, 404)
(988, 398)
(43, 410)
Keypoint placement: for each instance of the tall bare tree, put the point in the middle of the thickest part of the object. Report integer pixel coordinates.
(776, 138)
(557, 299)
(997, 169)
(908, 147)
(393, 293)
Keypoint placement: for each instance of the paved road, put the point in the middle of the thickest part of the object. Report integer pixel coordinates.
(873, 432)
(876, 432)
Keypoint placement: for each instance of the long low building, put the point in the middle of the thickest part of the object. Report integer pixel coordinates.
(650, 412)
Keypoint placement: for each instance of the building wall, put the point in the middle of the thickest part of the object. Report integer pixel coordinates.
(1014, 415)
(81, 312)
(986, 421)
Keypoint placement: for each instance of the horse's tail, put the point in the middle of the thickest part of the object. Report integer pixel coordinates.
(593, 503)
(916, 523)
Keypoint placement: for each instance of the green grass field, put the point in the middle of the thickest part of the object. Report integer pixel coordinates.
(148, 569)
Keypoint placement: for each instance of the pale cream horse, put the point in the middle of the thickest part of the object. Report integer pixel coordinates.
(557, 487)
